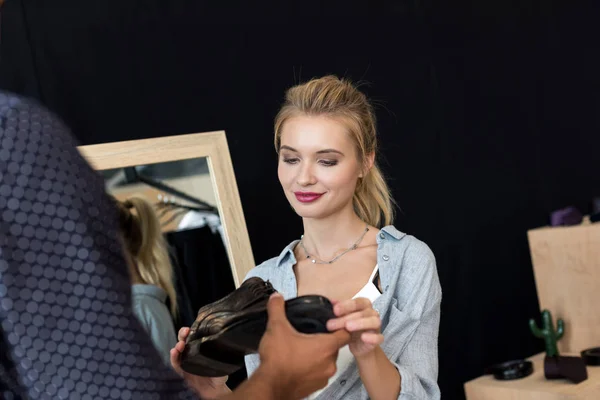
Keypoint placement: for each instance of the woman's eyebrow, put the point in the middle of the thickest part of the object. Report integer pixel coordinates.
(286, 147)
(329, 151)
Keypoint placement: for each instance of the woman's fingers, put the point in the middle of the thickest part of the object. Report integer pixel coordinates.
(339, 323)
(372, 338)
(174, 354)
(183, 334)
(364, 324)
(180, 346)
(350, 306)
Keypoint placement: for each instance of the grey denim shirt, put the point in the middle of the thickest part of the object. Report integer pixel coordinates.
(409, 308)
(149, 307)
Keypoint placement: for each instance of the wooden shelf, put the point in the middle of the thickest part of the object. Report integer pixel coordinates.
(535, 386)
(566, 263)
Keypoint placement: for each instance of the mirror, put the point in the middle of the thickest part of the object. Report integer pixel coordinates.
(190, 181)
(181, 192)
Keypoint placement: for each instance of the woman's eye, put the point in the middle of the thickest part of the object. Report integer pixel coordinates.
(290, 160)
(328, 163)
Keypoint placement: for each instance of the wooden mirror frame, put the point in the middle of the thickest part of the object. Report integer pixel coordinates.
(210, 145)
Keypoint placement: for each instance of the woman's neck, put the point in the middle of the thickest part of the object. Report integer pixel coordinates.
(325, 238)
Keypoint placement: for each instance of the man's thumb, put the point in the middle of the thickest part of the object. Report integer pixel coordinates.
(276, 310)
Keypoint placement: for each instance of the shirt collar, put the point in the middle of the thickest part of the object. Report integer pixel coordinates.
(149, 290)
(393, 232)
(288, 253)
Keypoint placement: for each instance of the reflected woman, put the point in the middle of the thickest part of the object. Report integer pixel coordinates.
(383, 282)
(151, 272)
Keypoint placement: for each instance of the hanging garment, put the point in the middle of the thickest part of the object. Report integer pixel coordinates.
(199, 219)
(204, 268)
(202, 275)
(185, 314)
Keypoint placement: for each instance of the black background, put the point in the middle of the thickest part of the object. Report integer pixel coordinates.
(488, 119)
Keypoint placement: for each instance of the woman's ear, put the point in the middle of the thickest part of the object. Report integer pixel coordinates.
(369, 162)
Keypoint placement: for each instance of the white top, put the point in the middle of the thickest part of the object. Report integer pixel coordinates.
(345, 357)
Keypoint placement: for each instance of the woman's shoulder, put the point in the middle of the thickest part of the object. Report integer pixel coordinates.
(271, 267)
(264, 269)
(404, 244)
(411, 259)
(408, 266)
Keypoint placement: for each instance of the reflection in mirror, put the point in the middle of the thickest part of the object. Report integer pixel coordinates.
(186, 163)
(182, 197)
(189, 221)
(181, 191)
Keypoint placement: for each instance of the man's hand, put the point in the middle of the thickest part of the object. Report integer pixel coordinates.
(207, 388)
(296, 364)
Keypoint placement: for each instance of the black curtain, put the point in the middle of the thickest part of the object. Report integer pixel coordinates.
(488, 118)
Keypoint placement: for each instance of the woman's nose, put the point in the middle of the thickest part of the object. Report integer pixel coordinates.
(305, 176)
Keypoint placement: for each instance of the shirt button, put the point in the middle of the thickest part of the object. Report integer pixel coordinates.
(343, 382)
(382, 235)
(385, 257)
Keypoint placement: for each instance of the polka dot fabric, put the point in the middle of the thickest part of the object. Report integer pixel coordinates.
(68, 331)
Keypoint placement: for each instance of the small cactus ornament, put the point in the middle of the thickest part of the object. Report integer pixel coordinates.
(548, 333)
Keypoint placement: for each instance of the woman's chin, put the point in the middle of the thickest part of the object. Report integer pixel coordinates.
(310, 214)
(312, 211)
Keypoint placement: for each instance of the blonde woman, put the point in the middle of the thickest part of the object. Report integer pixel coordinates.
(151, 272)
(383, 282)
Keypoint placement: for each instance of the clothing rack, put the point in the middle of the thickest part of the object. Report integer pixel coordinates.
(133, 176)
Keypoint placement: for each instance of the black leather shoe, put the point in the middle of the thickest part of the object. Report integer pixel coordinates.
(227, 330)
(211, 318)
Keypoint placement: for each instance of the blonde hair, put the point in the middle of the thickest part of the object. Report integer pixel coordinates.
(146, 245)
(338, 98)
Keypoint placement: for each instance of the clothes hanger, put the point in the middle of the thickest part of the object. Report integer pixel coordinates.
(133, 176)
(175, 215)
(167, 205)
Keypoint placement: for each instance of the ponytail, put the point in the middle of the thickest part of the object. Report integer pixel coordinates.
(372, 199)
(147, 246)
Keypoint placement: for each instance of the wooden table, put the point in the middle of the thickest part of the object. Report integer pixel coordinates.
(535, 386)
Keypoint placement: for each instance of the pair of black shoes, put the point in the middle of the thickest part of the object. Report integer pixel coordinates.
(228, 329)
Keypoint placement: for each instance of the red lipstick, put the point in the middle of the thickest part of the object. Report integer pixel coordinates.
(307, 197)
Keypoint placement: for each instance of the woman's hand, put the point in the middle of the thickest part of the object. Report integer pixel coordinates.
(359, 318)
(209, 388)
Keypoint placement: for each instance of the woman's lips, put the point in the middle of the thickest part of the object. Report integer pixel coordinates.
(307, 197)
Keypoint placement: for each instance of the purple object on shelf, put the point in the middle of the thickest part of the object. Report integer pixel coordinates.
(566, 216)
(596, 205)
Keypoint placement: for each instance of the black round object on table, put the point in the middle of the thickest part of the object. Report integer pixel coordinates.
(591, 356)
(509, 370)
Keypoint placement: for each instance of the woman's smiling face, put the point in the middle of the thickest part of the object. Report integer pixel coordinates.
(318, 165)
